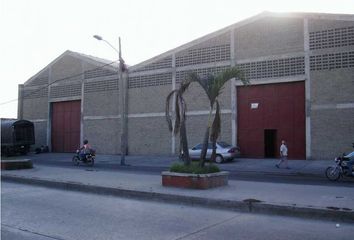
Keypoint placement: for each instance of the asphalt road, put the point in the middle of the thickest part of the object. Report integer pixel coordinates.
(30, 212)
(64, 160)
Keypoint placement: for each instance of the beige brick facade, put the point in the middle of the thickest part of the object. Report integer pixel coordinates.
(269, 48)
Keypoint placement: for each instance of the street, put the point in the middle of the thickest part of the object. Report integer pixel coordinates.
(240, 169)
(30, 212)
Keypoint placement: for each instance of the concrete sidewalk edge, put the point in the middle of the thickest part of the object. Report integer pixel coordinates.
(249, 205)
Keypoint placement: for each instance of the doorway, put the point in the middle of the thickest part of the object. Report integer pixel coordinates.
(66, 126)
(281, 106)
(270, 143)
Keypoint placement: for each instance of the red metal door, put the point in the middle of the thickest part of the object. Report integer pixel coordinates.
(272, 106)
(66, 126)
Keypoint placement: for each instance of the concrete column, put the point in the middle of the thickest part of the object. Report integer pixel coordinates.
(233, 91)
(82, 102)
(307, 88)
(124, 99)
(49, 118)
(173, 138)
(20, 101)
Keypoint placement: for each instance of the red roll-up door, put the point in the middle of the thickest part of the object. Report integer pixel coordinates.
(66, 126)
(277, 108)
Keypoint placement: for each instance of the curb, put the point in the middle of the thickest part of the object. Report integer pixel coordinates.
(294, 173)
(280, 173)
(247, 205)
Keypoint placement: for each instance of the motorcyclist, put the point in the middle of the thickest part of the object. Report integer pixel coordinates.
(350, 163)
(85, 150)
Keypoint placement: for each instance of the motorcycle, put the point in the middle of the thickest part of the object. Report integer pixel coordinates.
(340, 168)
(89, 159)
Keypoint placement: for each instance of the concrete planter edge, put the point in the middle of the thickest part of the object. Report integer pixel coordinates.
(194, 181)
(16, 164)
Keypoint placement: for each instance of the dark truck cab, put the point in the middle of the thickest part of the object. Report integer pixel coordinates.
(16, 136)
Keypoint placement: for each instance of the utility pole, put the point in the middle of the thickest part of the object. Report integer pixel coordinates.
(123, 95)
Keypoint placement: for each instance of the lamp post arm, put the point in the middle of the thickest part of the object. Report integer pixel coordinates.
(115, 49)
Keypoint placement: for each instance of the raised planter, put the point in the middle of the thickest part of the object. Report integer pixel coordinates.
(196, 181)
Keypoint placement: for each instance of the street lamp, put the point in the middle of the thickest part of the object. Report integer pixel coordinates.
(123, 86)
(98, 37)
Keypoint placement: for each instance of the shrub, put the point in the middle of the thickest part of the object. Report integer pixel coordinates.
(194, 168)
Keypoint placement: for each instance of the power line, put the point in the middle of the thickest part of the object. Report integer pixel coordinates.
(58, 80)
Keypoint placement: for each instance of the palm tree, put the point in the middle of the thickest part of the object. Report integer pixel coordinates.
(213, 85)
(179, 125)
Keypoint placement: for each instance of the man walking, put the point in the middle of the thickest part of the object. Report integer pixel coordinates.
(283, 155)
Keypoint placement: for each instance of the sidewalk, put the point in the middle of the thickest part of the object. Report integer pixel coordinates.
(326, 202)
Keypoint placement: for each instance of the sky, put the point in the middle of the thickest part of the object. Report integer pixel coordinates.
(35, 32)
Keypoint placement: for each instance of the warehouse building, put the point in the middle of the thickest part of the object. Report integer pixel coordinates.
(301, 69)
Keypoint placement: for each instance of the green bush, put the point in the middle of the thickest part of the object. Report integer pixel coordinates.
(194, 168)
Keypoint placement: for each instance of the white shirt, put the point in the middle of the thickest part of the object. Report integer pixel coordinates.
(283, 150)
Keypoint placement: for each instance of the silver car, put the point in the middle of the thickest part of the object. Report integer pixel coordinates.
(224, 151)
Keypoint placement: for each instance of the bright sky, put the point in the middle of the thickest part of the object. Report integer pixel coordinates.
(35, 32)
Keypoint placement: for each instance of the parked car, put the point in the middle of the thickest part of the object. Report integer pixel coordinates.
(224, 151)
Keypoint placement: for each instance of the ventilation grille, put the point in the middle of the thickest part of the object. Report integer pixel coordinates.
(65, 91)
(332, 61)
(202, 72)
(150, 80)
(273, 68)
(204, 55)
(100, 86)
(165, 63)
(38, 81)
(35, 93)
(338, 37)
(100, 72)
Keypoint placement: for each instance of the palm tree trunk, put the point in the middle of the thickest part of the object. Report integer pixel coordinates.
(184, 142)
(206, 140)
(213, 154)
(205, 147)
(215, 130)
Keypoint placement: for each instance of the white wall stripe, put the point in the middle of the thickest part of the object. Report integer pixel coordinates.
(142, 115)
(38, 120)
(333, 106)
(160, 114)
(196, 113)
(101, 117)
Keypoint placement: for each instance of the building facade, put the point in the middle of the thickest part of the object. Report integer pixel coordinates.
(301, 69)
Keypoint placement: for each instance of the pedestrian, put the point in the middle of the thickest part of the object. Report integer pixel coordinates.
(283, 155)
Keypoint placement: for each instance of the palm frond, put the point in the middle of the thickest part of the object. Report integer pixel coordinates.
(182, 108)
(178, 116)
(203, 82)
(167, 109)
(185, 84)
(233, 72)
